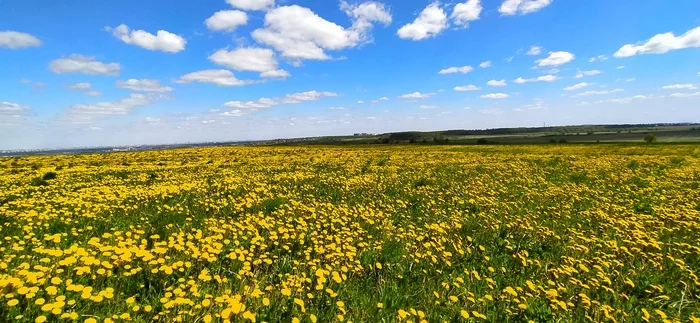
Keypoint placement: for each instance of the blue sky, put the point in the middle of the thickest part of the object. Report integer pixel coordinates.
(89, 73)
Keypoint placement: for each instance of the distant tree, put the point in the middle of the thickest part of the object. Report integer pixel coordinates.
(552, 141)
(482, 141)
(562, 141)
(651, 138)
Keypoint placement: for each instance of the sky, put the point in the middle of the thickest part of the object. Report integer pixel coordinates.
(87, 73)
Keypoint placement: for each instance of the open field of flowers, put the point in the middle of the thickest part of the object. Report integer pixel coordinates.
(557, 233)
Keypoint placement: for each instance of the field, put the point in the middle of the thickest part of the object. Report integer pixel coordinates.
(401, 233)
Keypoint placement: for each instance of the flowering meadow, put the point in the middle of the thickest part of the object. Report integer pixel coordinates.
(549, 233)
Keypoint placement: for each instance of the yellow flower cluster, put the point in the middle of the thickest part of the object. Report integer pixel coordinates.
(353, 234)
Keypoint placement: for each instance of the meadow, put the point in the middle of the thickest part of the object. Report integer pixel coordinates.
(528, 233)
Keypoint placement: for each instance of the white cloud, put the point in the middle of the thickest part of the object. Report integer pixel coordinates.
(218, 77)
(162, 41)
(534, 51)
(416, 96)
(226, 20)
(253, 59)
(429, 23)
(556, 59)
(599, 58)
(631, 79)
(553, 70)
(276, 74)
(360, 102)
(495, 96)
(465, 12)
(144, 85)
(15, 40)
(467, 88)
(336, 108)
(601, 92)
(485, 64)
(544, 78)
(620, 67)
(87, 113)
(496, 83)
(85, 88)
(424, 106)
(365, 13)
(9, 109)
(523, 7)
(628, 99)
(661, 43)
(581, 74)
(83, 64)
(685, 95)
(380, 99)
(680, 87)
(80, 86)
(308, 40)
(462, 69)
(264, 103)
(577, 86)
(252, 4)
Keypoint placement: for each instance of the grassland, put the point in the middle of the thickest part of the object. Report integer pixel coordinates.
(401, 233)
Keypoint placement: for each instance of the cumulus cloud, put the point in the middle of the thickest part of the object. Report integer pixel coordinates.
(16, 40)
(522, 7)
(485, 64)
(84, 65)
(581, 74)
(226, 20)
(534, 50)
(601, 92)
(162, 41)
(144, 85)
(577, 86)
(467, 88)
(462, 69)
(496, 83)
(495, 96)
(661, 44)
(416, 96)
(265, 103)
(680, 87)
(251, 4)
(429, 23)
(425, 106)
(556, 59)
(218, 77)
(261, 60)
(465, 12)
(93, 93)
(309, 40)
(544, 78)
